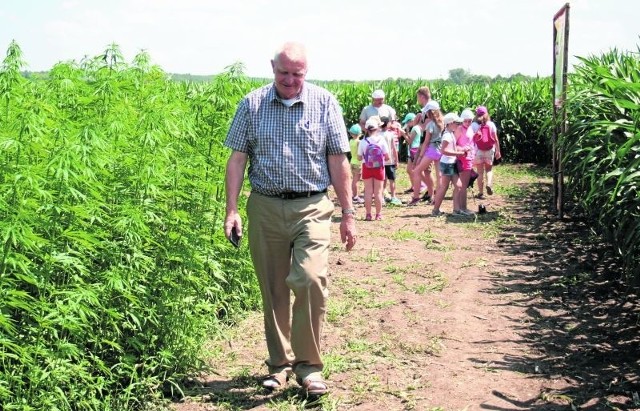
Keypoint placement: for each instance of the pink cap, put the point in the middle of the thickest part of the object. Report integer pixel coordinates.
(481, 110)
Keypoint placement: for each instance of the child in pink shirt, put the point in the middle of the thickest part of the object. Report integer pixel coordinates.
(465, 162)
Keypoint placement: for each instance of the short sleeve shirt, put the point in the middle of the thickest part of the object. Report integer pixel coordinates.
(451, 146)
(288, 146)
(376, 138)
(382, 111)
(417, 131)
(354, 143)
(436, 134)
(392, 143)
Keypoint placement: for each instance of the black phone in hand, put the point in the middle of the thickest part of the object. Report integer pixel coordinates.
(234, 238)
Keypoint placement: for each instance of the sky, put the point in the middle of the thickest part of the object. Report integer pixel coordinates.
(346, 39)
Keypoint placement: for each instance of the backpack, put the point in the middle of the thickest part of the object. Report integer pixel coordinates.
(373, 155)
(486, 140)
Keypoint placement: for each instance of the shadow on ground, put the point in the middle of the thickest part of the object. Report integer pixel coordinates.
(583, 319)
(246, 393)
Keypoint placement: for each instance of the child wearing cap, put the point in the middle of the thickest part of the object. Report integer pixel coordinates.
(449, 172)
(485, 137)
(373, 177)
(465, 162)
(355, 134)
(429, 154)
(413, 137)
(392, 132)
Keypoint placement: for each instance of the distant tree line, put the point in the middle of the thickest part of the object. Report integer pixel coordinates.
(456, 76)
(462, 76)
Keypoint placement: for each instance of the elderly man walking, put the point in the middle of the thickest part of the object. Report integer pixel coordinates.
(293, 136)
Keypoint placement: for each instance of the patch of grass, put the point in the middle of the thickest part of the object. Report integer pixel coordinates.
(337, 310)
(366, 298)
(336, 363)
(403, 235)
(357, 345)
(492, 226)
(336, 247)
(372, 256)
(366, 384)
(437, 282)
(381, 304)
(420, 289)
(572, 280)
(432, 244)
(521, 172)
(514, 192)
(399, 279)
(357, 295)
(434, 346)
(292, 400)
(478, 262)
(392, 269)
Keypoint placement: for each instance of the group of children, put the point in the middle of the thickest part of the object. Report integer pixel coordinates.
(452, 145)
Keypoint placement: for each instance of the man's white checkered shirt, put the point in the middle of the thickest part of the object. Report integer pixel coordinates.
(288, 146)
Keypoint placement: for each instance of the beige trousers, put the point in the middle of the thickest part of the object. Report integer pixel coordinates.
(289, 242)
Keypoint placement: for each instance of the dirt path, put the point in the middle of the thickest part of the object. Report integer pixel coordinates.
(511, 310)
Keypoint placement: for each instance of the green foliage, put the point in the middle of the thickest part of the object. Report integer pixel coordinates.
(602, 149)
(113, 264)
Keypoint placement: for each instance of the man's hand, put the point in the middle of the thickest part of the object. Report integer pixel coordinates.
(232, 220)
(348, 230)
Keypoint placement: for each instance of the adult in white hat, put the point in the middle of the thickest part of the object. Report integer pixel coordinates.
(377, 108)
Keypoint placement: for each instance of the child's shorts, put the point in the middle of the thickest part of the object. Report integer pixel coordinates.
(375, 173)
(448, 169)
(433, 153)
(390, 172)
(413, 153)
(484, 157)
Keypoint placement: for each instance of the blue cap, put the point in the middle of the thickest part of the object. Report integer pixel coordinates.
(408, 118)
(355, 130)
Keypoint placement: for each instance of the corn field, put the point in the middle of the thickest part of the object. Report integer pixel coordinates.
(602, 150)
(114, 268)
